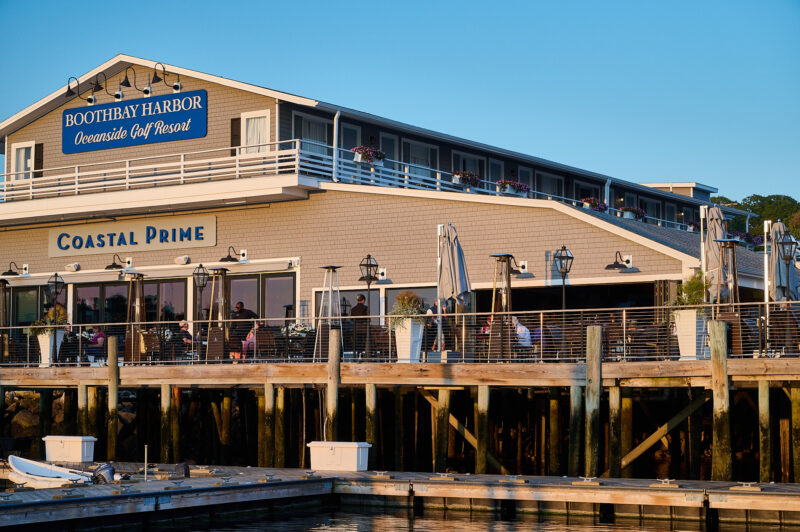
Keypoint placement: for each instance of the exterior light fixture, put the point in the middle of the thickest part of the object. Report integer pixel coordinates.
(619, 263)
(114, 264)
(369, 269)
(176, 86)
(231, 258)
(55, 285)
(71, 92)
(523, 270)
(201, 276)
(787, 248)
(15, 271)
(563, 259)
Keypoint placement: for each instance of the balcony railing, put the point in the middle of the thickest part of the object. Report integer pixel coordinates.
(629, 335)
(289, 157)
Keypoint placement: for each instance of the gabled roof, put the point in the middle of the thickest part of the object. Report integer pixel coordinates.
(120, 62)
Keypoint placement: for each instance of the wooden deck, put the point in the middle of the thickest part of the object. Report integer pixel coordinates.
(628, 498)
(742, 372)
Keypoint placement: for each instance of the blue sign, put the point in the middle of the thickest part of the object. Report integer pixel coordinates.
(163, 118)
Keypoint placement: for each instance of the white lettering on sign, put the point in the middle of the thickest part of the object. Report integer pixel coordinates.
(135, 235)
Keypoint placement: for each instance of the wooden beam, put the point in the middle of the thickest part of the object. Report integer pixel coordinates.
(661, 432)
(466, 434)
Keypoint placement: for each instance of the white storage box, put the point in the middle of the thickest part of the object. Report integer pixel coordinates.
(72, 449)
(339, 455)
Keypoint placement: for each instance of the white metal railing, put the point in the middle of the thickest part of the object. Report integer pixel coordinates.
(303, 157)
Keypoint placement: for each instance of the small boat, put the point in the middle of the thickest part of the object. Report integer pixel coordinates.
(39, 475)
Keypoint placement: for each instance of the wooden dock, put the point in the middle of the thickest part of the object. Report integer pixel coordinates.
(210, 491)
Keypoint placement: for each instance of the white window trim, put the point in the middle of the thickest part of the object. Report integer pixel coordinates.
(243, 129)
(27, 144)
(586, 184)
(489, 171)
(539, 174)
(309, 117)
(471, 156)
(418, 143)
(342, 127)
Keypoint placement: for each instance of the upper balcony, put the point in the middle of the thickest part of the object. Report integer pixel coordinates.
(279, 171)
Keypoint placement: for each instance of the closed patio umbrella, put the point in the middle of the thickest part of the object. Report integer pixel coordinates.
(777, 268)
(453, 279)
(716, 273)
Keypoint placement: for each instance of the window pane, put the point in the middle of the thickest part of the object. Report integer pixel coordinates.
(116, 303)
(426, 294)
(151, 302)
(349, 137)
(87, 304)
(172, 301)
(23, 162)
(278, 298)
(244, 290)
(495, 170)
(348, 301)
(256, 134)
(25, 308)
(526, 176)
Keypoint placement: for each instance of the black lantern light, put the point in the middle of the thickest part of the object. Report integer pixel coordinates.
(230, 258)
(563, 259)
(55, 285)
(369, 271)
(14, 271)
(114, 264)
(201, 276)
(787, 246)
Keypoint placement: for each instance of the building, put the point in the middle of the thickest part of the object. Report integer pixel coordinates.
(169, 168)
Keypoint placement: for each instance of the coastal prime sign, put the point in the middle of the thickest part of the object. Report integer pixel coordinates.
(162, 118)
(175, 232)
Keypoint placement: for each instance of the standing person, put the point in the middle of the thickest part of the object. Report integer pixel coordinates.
(239, 329)
(433, 325)
(359, 325)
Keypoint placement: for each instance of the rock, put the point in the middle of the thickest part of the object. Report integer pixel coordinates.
(126, 417)
(25, 423)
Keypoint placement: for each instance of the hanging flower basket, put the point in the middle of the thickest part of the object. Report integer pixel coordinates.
(368, 155)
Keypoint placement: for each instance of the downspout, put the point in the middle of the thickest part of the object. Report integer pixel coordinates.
(703, 211)
(607, 193)
(335, 172)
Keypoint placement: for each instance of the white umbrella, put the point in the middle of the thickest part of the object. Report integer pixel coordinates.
(777, 268)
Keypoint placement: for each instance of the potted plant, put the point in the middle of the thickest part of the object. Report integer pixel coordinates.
(408, 322)
(690, 323)
(594, 204)
(50, 325)
(633, 213)
(692, 227)
(507, 185)
(463, 177)
(368, 155)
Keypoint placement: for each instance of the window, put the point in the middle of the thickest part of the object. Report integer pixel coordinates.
(389, 147)
(350, 136)
(29, 303)
(255, 131)
(314, 129)
(469, 163)
(630, 199)
(268, 295)
(23, 160)
(419, 154)
(549, 184)
(348, 301)
(586, 190)
(427, 295)
(101, 303)
(525, 175)
(278, 297)
(165, 300)
(670, 213)
(495, 170)
(651, 207)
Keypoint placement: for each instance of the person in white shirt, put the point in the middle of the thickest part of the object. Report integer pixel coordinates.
(523, 334)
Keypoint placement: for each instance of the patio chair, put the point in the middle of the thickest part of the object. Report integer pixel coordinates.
(215, 348)
(265, 344)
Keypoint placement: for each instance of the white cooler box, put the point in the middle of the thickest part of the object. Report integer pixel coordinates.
(72, 449)
(339, 455)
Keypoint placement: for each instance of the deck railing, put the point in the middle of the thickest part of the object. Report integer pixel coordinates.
(301, 157)
(629, 335)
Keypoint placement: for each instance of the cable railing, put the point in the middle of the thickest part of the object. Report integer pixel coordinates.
(635, 334)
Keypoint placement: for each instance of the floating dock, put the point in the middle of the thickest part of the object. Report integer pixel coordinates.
(209, 493)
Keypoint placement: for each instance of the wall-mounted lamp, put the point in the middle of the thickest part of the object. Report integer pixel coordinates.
(118, 265)
(523, 270)
(176, 85)
(14, 270)
(620, 263)
(382, 277)
(90, 100)
(242, 256)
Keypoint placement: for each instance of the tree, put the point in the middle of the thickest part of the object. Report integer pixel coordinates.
(772, 207)
(794, 224)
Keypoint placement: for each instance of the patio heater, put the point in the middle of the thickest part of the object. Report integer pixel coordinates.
(136, 314)
(3, 319)
(369, 269)
(787, 248)
(502, 271)
(728, 268)
(330, 310)
(55, 285)
(200, 276)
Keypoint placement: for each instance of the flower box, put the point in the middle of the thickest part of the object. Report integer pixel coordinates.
(513, 188)
(469, 179)
(628, 215)
(368, 155)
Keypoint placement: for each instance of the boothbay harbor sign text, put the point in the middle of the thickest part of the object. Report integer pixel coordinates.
(150, 234)
(144, 121)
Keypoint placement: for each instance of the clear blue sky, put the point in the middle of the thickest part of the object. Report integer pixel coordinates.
(645, 91)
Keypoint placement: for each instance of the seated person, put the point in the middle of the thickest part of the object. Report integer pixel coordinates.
(183, 340)
(249, 343)
(522, 332)
(97, 340)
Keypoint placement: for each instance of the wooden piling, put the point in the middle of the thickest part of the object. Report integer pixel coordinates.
(225, 435)
(45, 418)
(175, 422)
(594, 342)
(794, 396)
(554, 462)
(70, 412)
(91, 425)
(165, 420)
(764, 433)
(721, 459)
(398, 428)
(2, 404)
(280, 427)
(83, 410)
(113, 398)
(614, 432)
(332, 389)
(575, 429)
(695, 451)
(626, 428)
(261, 454)
(268, 414)
(371, 400)
(482, 429)
(442, 430)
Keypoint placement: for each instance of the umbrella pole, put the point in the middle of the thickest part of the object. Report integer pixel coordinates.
(439, 230)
